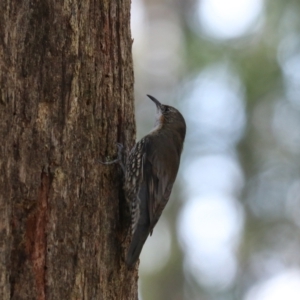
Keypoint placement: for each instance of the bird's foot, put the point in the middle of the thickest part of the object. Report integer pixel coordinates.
(119, 160)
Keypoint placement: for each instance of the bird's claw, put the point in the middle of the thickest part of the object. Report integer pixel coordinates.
(118, 160)
(120, 146)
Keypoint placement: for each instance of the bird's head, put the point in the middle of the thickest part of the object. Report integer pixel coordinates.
(168, 117)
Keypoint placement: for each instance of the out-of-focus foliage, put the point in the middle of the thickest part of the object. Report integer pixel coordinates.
(231, 229)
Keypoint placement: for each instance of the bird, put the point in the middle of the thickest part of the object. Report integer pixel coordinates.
(150, 172)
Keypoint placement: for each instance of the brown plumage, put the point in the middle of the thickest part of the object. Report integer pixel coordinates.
(150, 174)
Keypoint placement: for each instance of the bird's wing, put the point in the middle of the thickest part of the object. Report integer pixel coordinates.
(159, 173)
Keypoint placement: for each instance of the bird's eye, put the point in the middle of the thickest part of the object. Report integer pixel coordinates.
(166, 109)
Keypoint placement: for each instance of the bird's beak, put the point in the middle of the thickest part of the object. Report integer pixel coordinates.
(158, 104)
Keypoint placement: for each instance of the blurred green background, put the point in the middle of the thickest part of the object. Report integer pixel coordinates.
(231, 228)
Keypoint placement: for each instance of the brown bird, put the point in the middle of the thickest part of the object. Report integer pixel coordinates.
(150, 173)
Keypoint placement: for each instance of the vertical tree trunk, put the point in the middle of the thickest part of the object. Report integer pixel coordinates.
(66, 99)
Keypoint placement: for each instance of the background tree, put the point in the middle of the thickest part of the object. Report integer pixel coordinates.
(231, 228)
(66, 99)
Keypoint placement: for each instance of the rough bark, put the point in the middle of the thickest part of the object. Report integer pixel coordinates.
(66, 99)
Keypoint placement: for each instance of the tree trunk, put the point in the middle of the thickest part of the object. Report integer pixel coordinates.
(66, 99)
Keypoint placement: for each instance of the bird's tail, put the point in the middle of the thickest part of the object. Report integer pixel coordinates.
(138, 240)
(141, 229)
